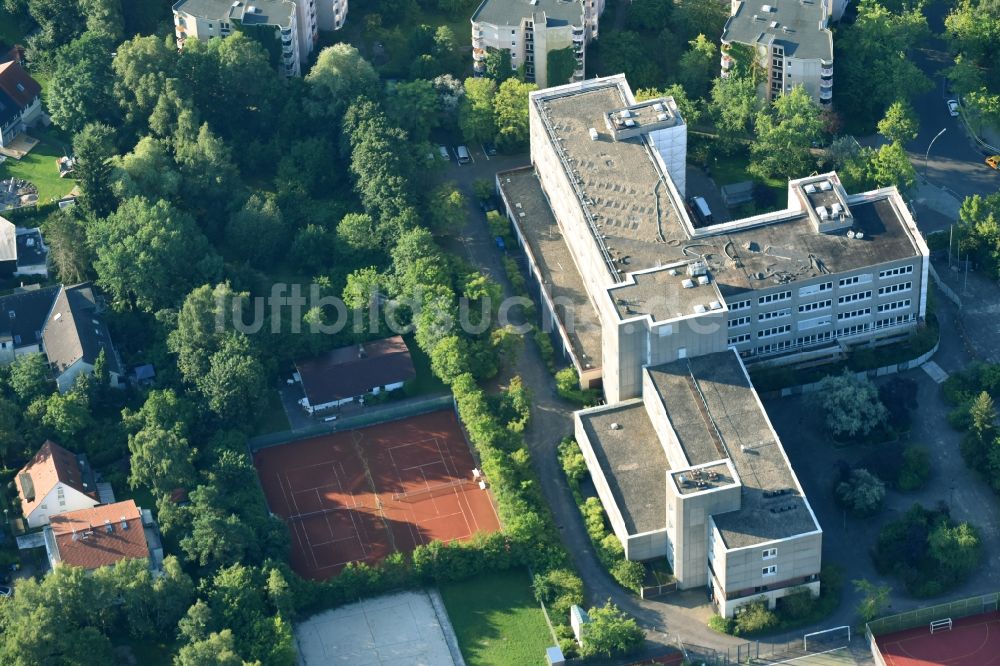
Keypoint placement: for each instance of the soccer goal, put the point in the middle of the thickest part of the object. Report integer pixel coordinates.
(944, 624)
(827, 639)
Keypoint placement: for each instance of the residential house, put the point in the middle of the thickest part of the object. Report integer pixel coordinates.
(22, 318)
(20, 101)
(288, 29)
(74, 336)
(102, 535)
(64, 323)
(22, 251)
(529, 30)
(791, 42)
(347, 374)
(53, 482)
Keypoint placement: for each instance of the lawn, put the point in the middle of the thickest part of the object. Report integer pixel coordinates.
(497, 620)
(426, 382)
(39, 166)
(274, 419)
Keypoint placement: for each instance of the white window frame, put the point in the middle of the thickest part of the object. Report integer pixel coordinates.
(774, 331)
(740, 321)
(854, 314)
(817, 305)
(770, 570)
(895, 288)
(895, 305)
(739, 305)
(742, 337)
(769, 554)
(851, 298)
(774, 314)
(811, 289)
(774, 298)
(899, 270)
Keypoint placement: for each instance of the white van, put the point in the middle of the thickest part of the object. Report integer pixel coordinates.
(701, 210)
(463, 155)
(444, 153)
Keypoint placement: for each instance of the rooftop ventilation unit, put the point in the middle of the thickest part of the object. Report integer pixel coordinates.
(767, 8)
(810, 188)
(673, 271)
(700, 309)
(629, 122)
(687, 283)
(658, 107)
(697, 268)
(715, 305)
(774, 24)
(859, 235)
(625, 113)
(823, 213)
(702, 279)
(850, 234)
(593, 134)
(826, 186)
(616, 426)
(662, 117)
(837, 208)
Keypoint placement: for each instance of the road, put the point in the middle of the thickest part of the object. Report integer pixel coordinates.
(954, 163)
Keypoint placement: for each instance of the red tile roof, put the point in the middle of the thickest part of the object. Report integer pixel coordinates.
(98, 537)
(50, 465)
(12, 74)
(348, 372)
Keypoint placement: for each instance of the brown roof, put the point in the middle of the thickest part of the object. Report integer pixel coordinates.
(98, 537)
(348, 372)
(11, 75)
(50, 465)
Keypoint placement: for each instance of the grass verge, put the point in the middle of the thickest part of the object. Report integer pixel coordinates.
(39, 166)
(497, 620)
(275, 419)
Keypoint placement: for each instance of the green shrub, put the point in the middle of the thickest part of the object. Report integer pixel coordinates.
(755, 618)
(499, 225)
(916, 469)
(723, 625)
(568, 388)
(546, 349)
(862, 493)
(559, 589)
(800, 603)
(610, 633)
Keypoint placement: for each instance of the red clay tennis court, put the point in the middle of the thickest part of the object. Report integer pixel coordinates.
(360, 495)
(972, 641)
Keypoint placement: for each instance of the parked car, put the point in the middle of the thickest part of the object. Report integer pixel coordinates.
(463, 155)
(993, 161)
(500, 243)
(953, 107)
(489, 149)
(444, 153)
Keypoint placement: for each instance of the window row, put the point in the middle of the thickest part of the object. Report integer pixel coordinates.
(899, 270)
(895, 305)
(854, 314)
(771, 332)
(774, 298)
(852, 298)
(818, 305)
(739, 305)
(855, 279)
(895, 288)
(739, 321)
(811, 289)
(775, 314)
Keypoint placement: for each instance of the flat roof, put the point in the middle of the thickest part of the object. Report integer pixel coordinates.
(793, 24)
(632, 461)
(555, 262)
(510, 12)
(715, 413)
(267, 12)
(664, 294)
(709, 477)
(639, 222)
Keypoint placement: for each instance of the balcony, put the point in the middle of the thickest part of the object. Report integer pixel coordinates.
(826, 85)
(727, 61)
(477, 43)
(826, 72)
(825, 95)
(478, 55)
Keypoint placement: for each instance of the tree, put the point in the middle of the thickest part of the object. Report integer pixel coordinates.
(984, 416)
(446, 209)
(104, 17)
(66, 236)
(734, 105)
(148, 171)
(142, 66)
(863, 493)
(257, 232)
(875, 66)
(559, 66)
(29, 377)
(362, 288)
(900, 123)
(497, 66)
(11, 434)
(67, 415)
(59, 22)
(212, 183)
(80, 89)
(973, 28)
(629, 52)
(610, 633)
(235, 383)
(201, 326)
(339, 75)
(957, 549)
(476, 114)
(784, 136)
(93, 148)
(415, 107)
(698, 17)
(150, 254)
(649, 14)
(874, 601)
(217, 649)
(197, 623)
(890, 166)
(450, 93)
(161, 460)
(850, 405)
(698, 66)
(511, 107)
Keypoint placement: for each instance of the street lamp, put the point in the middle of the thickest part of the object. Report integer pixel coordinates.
(927, 154)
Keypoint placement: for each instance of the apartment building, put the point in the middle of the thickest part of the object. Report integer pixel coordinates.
(664, 314)
(331, 14)
(791, 40)
(287, 29)
(531, 29)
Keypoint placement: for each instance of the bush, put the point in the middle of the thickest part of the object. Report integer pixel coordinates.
(499, 226)
(723, 625)
(559, 589)
(862, 493)
(755, 618)
(568, 388)
(850, 405)
(916, 468)
(610, 633)
(546, 349)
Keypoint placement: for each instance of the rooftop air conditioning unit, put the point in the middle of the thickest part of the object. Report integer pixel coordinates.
(673, 271)
(823, 213)
(687, 283)
(826, 186)
(715, 305)
(700, 309)
(774, 24)
(766, 8)
(859, 235)
(658, 107)
(850, 233)
(662, 117)
(810, 189)
(702, 279)
(837, 209)
(593, 134)
(616, 426)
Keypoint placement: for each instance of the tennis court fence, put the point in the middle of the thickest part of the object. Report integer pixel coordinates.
(367, 417)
